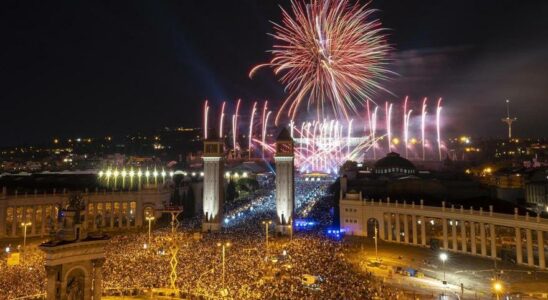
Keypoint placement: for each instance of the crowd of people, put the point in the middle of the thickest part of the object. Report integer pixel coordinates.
(308, 266)
(24, 279)
(252, 270)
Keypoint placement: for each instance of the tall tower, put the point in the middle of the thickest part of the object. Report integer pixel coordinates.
(74, 259)
(213, 184)
(509, 120)
(285, 201)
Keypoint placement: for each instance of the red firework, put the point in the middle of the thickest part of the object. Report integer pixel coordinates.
(329, 54)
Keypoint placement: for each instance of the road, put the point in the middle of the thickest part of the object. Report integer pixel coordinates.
(474, 273)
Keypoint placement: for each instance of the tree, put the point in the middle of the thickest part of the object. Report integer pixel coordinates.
(231, 192)
(248, 184)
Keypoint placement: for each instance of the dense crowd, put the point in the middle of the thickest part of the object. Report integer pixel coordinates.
(309, 266)
(250, 272)
(27, 278)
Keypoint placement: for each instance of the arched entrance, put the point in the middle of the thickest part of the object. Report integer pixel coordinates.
(148, 211)
(75, 280)
(372, 223)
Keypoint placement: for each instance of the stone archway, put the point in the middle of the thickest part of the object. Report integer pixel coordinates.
(372, 223)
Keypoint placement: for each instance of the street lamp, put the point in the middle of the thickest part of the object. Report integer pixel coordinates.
(376, 246)
(291, 232)
(443, 258)
(497, 287)
(266, 224)
(224, 246)
(25, 225)
(149, 219)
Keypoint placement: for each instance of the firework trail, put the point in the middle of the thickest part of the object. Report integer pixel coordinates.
(349, 136)
(206, 111)
(406, 132)
(405, 128)
(235, 125)
(388, 112)
(221, 120)
(373, 131)
(423, 127)
(250, 144)
(265, 127)
(292, 128)
(438, 132)
(325, 145)
(330, 56)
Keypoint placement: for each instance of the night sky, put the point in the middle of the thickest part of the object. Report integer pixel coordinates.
(88, 68)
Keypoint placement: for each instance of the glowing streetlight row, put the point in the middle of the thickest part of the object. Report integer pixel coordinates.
(131, 173)
(110, 173)
(236, 175)
(312, 179)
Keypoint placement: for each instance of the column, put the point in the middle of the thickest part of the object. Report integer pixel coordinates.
(97, 277)
(390, 227)
(88, 287)
(33, 226)
(87, 214)
(405, 229)
(493, 240)
(540, 247)
(94, 205)
(482, 238)
(473, 237)
(128, 215)
(423, 231)
(529, 237)
(398, 229)
(44, 224)
(414, 228)
(15, 222)
(445, 240)
(24, 215)
(120, 214)
(519, 249)
(51, 286)
(3, 218)
(464, 244)
(111, 215)
(454, 235)
(381, 228)
(103, 214)
(139, 212)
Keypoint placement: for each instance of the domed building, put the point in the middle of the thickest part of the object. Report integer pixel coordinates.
(394, 164)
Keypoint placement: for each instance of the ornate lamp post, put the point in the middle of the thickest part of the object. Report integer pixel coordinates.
(25, 225)
(149, 219)
(266, 224)
(223, 246)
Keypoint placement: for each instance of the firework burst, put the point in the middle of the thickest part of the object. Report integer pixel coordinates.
(330, 56)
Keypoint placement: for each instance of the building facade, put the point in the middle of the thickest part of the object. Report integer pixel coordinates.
(104, 210)
(536, 190)
(468, 231)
